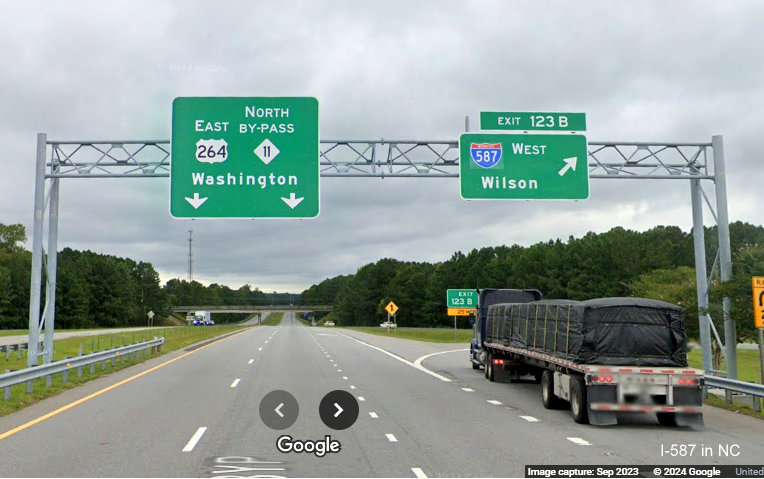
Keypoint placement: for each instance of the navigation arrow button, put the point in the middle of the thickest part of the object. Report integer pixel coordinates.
(335, 416)
(570, 164)
(281, 414)
(196, 202)
(292, 201)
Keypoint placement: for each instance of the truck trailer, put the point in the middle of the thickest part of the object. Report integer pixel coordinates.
(602, 356)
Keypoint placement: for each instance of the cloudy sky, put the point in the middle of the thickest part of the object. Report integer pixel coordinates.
(641, 71)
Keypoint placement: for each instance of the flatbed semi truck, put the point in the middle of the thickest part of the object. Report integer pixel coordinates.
(603, 356)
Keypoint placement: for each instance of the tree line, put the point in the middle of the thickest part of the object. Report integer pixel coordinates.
(657, 263)
(97, 290)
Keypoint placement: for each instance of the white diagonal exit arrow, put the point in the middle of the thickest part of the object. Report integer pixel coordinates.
(196, 202)
(292, 201)
(339, 410)
(570, 163)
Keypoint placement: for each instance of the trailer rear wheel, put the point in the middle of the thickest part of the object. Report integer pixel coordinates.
(578, 404)
(548, 399)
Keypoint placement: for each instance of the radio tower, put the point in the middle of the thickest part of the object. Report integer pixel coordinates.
(190, 256)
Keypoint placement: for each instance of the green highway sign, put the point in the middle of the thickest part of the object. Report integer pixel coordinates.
(244, 157)
(461, 298)
(526, 121)
(517, 166)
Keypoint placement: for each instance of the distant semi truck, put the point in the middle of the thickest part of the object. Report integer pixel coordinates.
(203, 318)
(603, 356)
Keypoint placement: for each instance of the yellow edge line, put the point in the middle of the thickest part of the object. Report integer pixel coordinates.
(105, 390)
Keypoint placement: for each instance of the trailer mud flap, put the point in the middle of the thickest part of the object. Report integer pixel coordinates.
(602, 418)
(689, 420)
(600, 394)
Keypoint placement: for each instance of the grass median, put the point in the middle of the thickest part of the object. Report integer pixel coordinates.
(433, 335)
(175, 338)
(273, 319)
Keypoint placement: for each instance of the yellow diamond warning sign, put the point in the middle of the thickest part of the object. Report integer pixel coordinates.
(391, 308)
(757, 284)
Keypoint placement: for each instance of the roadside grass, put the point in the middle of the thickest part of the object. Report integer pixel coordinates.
(25, 332)
(175, 338)
(748, 368)
(273, 319)
(434, 335)
(737, 407)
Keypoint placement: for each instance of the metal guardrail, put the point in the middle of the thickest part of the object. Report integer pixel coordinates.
(7, 349)
(28, 375)
(755, 390)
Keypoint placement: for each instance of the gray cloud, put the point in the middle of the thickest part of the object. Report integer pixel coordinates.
(647, 71)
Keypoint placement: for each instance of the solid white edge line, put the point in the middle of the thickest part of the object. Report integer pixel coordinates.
(391, 438)
(419, 473)
(235, 383)
(405, 361)
(579, 441)
(373, 415)
(191, 444)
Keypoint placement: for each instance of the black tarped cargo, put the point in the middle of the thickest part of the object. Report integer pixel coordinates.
(607, 331)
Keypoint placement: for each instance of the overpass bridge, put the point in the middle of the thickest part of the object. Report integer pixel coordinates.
(252, 309)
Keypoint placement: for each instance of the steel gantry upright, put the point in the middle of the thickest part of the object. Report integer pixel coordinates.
(608, 160)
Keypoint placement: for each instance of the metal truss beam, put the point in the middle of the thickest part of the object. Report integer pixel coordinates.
(380, 159)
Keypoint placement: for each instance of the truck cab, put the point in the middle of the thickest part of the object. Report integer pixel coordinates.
(487, 297)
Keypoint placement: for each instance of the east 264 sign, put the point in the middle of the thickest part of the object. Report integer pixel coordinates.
(519, 166)
(239, 157)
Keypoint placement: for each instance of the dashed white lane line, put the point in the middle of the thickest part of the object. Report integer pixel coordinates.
(530, 418)
(361, 398)
(339, 370)
(266, 341)
(352, 387)
(579, 441)
(469, 390)
(373, 415)
(260, 349)
(251, 361)
(191, 444)
(391, 438)
(235, 383)
(345, 378)
(418, 473)
(494, 402)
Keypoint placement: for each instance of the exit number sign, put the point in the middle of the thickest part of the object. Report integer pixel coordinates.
(496, 120)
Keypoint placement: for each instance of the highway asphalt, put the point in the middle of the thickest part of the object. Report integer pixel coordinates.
(423, 411)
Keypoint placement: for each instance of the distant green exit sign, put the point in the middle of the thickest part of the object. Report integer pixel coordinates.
(496, 120)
